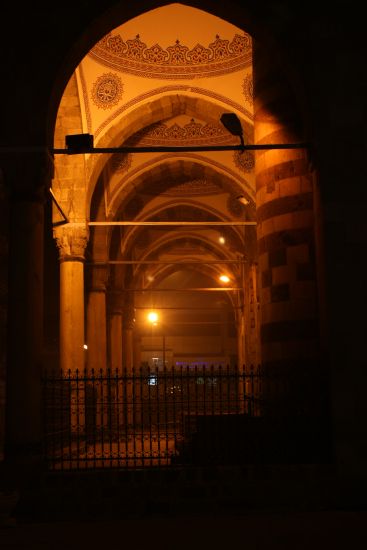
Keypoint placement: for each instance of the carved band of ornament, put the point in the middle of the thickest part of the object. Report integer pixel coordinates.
(189, 188)
(71, 243)
(173, 89)
(186, 135)
(248, 88)
(176, 61)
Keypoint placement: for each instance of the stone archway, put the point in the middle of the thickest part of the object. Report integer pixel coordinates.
(277, 186)
(192, 113)
(288, 264)
(284, 209)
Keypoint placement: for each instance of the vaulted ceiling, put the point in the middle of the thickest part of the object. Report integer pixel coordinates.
(164, 79)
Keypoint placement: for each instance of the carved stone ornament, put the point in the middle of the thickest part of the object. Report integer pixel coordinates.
(107, 91)
(71, 242)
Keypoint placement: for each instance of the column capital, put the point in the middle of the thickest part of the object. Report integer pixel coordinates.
(115, 302)
(128, 313)
(71, 240)
(96, 277)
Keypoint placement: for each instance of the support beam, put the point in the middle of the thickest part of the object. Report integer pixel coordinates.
(190, 149)
(204, 289)
(161, 262)
(179, 223)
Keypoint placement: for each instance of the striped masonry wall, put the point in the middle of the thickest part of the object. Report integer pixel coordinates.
(285, 231)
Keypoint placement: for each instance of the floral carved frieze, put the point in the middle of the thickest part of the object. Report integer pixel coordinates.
(196, 187)
(176, 61)
(187, 134)
(248, 89)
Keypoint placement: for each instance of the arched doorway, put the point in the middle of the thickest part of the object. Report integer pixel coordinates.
(144, 226)
(131, 92)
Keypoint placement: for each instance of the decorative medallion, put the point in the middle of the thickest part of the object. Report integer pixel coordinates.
(176, 61)
(244, 160)
(235, 207)
(248, 89)
(107, 91)
(121, 162)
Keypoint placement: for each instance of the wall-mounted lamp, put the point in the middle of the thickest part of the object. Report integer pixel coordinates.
(78, 143)
(233, 124)
(242, 199)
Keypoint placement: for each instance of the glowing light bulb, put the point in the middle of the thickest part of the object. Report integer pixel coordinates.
(152, 317)
(224, 279)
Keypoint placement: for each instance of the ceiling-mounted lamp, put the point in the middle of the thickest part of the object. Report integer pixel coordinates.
(242, 199)
(233, 124)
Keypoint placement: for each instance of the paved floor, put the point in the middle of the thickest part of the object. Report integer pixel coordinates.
(225, 511)
(324, 530)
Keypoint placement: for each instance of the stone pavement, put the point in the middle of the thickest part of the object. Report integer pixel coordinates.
(285, 508)
(334, 530)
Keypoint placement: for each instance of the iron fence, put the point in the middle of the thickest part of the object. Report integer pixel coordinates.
(178, 416)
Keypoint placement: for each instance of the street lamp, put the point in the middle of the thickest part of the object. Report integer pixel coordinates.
(153, 318)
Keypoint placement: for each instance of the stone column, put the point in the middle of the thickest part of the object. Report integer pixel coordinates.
(241, 363)
(132, 414)
(71, 241)
(128, 336)
(96, 320)
(115, 334)
(23, 426)
(25, 329)
(285, 238)
(240, 318)
(252, 344)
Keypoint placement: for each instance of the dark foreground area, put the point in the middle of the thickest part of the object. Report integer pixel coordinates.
(252, 508)
(252, 531)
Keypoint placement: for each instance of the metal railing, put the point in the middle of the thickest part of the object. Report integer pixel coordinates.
(161, 418)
